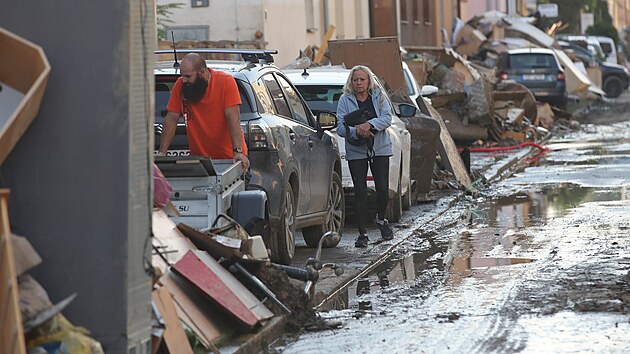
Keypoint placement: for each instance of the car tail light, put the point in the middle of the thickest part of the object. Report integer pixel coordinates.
(370, 178)
(560, 77)
(503, 76)
(259, 136)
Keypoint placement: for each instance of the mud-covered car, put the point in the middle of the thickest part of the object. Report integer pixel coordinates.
(294, 157)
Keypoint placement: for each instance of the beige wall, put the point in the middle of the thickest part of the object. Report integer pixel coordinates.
(285, 28)
(225, 20)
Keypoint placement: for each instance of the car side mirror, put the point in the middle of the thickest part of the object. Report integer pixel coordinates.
(407, 110)
(327, 120)
(428, 90)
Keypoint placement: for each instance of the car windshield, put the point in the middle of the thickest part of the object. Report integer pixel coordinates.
(164, 85)
(321, 97)
(532, 61)
(606, 47)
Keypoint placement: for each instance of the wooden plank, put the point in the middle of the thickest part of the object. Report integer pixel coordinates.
(322, 48)
(168, 240)
(447, 149)
(11, 332)
(219, 285)
(445, 99)
(174, 334)
(193, 309)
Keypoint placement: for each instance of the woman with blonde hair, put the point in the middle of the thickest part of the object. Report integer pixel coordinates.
(367, 144)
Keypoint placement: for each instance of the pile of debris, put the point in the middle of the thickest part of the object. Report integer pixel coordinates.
(213, 284)
(45, 328)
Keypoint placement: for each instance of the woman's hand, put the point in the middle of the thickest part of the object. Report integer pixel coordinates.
(363, 130)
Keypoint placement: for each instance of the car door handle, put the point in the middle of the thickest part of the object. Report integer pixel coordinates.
(310, 143)
(292, 135)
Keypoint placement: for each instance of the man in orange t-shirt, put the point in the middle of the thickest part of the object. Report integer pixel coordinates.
(209, 101)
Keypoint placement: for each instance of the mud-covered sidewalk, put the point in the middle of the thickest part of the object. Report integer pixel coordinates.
(447, 210)
(538, 263)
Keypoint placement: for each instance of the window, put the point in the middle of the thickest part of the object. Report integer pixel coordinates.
(193, 33)
(263, 98)
(321, 98)
(246, 105)
(532, 61)
(282, 108)
(409, 84)
(299, 113)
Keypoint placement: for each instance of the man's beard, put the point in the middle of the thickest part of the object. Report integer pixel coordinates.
(195, 91)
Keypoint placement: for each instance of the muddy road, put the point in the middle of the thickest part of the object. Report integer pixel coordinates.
(539, 262)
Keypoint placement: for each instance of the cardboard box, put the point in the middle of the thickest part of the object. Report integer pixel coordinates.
(469, 40)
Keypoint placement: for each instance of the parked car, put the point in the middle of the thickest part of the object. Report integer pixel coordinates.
(294, 157)
(588, 42)
(615, 78)
(413, 90)
(536, 68)
(321, 90)
(609, 48)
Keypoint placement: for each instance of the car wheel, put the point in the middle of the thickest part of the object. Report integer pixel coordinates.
(334, 217)
(613, 86)
(394, 206)
(284, 236)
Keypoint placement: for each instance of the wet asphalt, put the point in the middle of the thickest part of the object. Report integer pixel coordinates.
(539, 262)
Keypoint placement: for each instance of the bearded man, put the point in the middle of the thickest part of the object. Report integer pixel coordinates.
(210, 103)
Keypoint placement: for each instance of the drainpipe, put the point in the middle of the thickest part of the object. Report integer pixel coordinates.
(326, 19)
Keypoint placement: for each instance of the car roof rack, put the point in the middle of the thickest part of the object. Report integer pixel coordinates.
(249, 55)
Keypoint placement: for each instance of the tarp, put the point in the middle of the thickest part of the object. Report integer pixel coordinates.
(531, 32)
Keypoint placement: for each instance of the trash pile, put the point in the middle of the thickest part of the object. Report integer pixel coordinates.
(213, 283)
(45, 328)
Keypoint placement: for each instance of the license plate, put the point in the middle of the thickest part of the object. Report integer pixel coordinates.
(177, 153)
(534, 77)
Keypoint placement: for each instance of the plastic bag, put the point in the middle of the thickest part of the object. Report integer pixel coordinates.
(161, 188)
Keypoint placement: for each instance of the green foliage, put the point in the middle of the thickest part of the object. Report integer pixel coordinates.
(163, 17)
(568, 12)
(603, 29)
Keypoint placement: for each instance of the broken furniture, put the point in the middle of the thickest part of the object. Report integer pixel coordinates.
(24, 72)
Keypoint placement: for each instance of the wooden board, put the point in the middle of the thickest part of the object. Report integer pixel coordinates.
(576, 80)
(219, 285)
(447, 149)
(167, 239)
(174, 334)
(24, 67)
(11, 333)
(322, 49)
(196, 311)
(381, 55)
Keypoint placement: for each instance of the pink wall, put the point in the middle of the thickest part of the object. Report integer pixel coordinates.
(476, 7)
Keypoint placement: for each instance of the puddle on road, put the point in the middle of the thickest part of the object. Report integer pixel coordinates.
(484, 237)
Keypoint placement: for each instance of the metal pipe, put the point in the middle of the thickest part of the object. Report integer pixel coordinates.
(326, 19)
